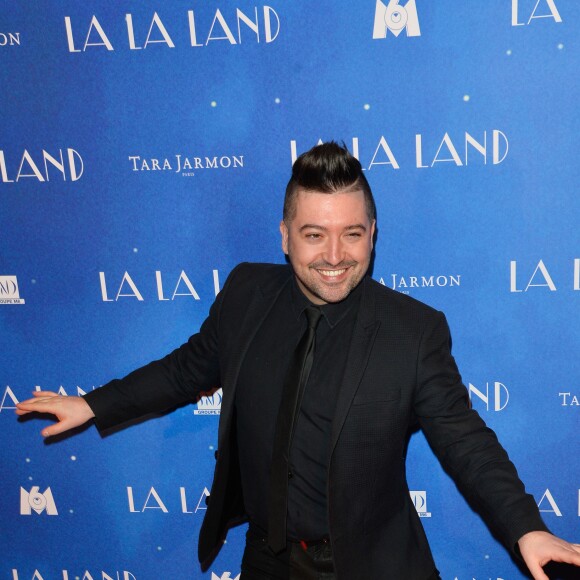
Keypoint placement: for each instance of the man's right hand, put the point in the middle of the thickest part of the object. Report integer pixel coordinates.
(70, 411)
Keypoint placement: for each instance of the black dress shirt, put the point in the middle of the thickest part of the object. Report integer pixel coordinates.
(257, 400)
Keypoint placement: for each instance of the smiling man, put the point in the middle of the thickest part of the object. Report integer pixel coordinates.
(340, 369)
(327, 233)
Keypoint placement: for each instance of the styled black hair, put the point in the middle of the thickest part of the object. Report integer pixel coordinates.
(327, 168)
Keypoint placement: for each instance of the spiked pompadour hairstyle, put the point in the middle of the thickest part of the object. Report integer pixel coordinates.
(327, 168)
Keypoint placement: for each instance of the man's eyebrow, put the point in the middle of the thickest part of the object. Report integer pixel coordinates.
(322, 228)
(311, 227)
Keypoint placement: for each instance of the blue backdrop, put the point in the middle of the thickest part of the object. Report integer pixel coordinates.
(144, 151)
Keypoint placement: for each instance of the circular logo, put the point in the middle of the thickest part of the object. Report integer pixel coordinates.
(396, 18)
(37, 501)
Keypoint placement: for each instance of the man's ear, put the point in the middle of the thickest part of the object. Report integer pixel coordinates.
(373, 227)
(284, 232)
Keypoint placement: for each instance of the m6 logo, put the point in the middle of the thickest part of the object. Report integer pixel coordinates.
(396, 18)
(36, 501)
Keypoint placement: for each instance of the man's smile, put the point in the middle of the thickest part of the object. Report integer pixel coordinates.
(331, 273)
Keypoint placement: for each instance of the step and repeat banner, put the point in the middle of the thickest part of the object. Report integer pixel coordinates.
(144, 151)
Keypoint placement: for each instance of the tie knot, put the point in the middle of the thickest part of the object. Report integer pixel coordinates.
(313, 315)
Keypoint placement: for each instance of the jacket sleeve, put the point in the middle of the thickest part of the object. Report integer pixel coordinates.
(468, 449)
(174, 380)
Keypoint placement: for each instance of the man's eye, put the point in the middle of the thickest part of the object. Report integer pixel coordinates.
(313, 236)
(354, 235)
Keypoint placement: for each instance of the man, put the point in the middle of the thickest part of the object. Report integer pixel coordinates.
(329, 452)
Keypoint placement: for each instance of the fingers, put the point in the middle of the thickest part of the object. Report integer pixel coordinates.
(535, 566)
(28, 407)
(539, 574)
(568, 553)
(69, 411)
(43, 402)
(573, 555)
(38, 404)
(38, 396)
(539, 548)
(55, 429)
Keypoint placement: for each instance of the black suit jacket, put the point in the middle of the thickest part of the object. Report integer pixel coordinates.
(399, 372)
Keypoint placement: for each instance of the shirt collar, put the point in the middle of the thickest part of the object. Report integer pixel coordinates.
(332, 313)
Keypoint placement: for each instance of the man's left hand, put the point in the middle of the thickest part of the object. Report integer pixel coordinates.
(540, 548)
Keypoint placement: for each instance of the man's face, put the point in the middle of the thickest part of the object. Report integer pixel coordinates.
(329, 243)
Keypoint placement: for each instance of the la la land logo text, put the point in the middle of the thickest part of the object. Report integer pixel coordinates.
(140, 501)
(457, 151)
(43, 166)
(540, 277)
(548, 505)
(524, 11)
(235, 27)
(153, 501)
(474, 578)
(129, 289)
(64, 575)
(495, 396)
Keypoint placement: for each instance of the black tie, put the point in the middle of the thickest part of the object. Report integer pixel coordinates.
(294, 384)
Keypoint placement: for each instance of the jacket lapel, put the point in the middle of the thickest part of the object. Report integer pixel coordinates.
(362, 340)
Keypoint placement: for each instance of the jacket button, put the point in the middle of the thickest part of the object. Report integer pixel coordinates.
(290, 475)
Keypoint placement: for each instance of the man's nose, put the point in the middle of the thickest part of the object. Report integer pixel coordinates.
(334, 251)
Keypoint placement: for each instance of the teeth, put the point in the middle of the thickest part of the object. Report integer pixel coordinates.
(332, 273)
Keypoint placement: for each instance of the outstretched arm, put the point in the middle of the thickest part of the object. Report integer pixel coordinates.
(70, 411)
(176, 379)
(479, 465)
(540, 548)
